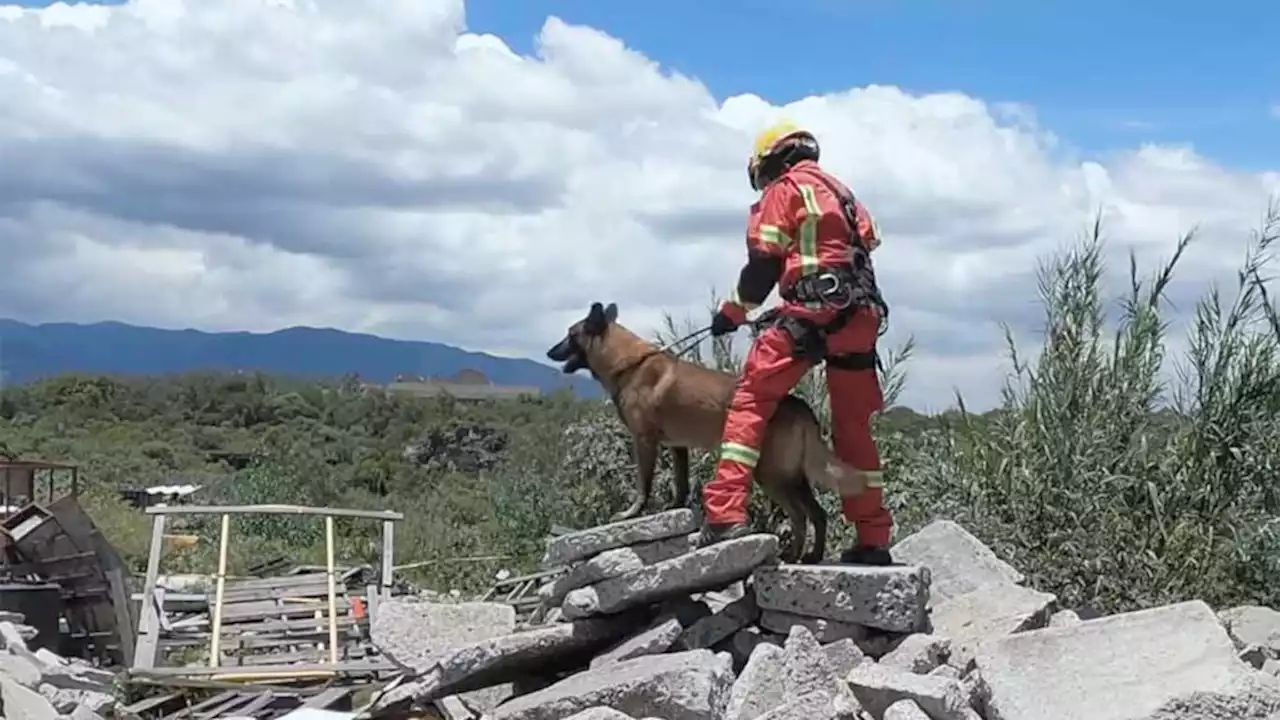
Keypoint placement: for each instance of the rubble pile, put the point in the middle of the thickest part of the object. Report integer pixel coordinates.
(642, 624)
(40, 685)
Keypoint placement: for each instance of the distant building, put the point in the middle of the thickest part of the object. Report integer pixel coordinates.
(468, 385)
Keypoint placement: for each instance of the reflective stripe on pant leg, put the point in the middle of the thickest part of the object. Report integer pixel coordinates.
(855, 397)
(767, 376)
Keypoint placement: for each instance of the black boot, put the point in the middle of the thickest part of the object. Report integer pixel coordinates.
(866, 555)
(712, 534)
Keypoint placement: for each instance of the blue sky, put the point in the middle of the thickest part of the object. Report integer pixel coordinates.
(1102, 75)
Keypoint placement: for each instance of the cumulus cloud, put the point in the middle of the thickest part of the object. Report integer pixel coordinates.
(254, 164)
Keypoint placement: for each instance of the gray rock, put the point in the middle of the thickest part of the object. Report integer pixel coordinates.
(583, 544)
(878, 688)
(1064, 618)
(817, 705)
(805, 668)
(958, 561)
(1251, 699)
(992, 611)
(600, 713)
(611, 564)
(919, 654)
(64, 700)
(691, 685)
(905, 710)
(889, 598)
(454, 707)
(826, 631)
(24, 670)
(1254, 629)
(714, 628)
(945, 671)
(12, 637)
(84, 713)
(417, 634)
(843, 656)
(498, 660)
(760, 686)
(1149, 658)
(24, 703)
(657, 638)
(702, 569)
(741, 645)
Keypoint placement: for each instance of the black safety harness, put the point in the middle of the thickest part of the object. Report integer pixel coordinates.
(848, 288)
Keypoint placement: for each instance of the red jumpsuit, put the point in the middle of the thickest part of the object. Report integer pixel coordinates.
(798, 227)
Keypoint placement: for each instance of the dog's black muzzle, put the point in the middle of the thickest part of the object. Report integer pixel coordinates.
(561, 351)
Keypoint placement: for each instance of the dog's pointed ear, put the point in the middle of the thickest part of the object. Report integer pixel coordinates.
(611, 313)
(596, 321)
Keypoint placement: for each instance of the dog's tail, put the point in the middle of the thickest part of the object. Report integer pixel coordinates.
(822, 467)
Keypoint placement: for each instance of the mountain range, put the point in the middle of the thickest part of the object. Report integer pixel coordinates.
(30, 352)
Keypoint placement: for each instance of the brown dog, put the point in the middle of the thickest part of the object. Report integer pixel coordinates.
(666, 401)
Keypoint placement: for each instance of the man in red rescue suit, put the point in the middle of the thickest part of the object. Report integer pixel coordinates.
(808, 235)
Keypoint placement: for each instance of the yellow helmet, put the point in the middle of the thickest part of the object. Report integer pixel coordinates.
(776, 148)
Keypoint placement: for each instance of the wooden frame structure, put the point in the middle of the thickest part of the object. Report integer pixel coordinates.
(27, 477)
(151, 617)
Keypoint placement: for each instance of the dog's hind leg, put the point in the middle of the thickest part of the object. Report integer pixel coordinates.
(794, 510)
(818, 518)
(680, 469)
(646, 451)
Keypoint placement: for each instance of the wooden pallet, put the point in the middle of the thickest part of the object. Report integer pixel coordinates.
(61, 544)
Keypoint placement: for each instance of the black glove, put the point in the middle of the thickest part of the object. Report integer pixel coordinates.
(722, 324)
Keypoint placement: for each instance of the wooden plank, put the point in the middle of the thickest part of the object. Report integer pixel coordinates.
(146, 647)
(275, 581)
(262, 609)
(310, 656)
(273, 510)
(359, 667)
(388, 559)
(328, 698)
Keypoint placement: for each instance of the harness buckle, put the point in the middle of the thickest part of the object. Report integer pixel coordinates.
(837, 294)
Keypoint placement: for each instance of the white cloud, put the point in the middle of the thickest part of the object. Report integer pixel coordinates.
(252, 164)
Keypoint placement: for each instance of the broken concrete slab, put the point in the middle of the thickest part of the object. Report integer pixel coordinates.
(878, 688)
(843, 656)
(1251, 699)
(714, 628)
(959, 562)
(920, 654)
(692, 685)
(905, 710)
(804, 666)
(890, 598)
(817, 705)
(827, 631)
(761, 685)
(703, 569)
(416, 633)
(600, 713)
(1064, 618)
(25, 703)
(503, 659)
(1149, 658)
(992, 611)
(584, 544)
(657, 638)
(1255, 629)
(611, 564)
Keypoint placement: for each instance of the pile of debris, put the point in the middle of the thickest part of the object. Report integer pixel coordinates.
(40, 685)
(640, 624)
